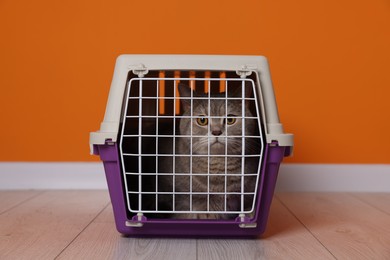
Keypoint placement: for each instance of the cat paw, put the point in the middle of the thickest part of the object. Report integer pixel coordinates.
(198, 216)
(208, 216)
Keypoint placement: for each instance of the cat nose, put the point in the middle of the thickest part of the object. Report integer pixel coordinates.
(216, 132)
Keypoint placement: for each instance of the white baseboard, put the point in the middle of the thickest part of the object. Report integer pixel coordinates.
(53, 175)
(334, 177)
(292, 177)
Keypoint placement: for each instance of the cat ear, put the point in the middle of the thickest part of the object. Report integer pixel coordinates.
(185, 93)
(184, 90)
(237, 92)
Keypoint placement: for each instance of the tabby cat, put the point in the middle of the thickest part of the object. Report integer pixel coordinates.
(208, 157)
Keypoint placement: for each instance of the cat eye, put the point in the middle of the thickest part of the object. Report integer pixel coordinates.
(230, 120)
(202, 121)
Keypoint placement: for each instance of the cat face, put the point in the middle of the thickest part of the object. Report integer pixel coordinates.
(213, 126)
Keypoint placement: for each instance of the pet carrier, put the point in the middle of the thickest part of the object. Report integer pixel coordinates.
(191, 145)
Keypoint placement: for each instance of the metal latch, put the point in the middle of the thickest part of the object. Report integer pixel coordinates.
(245, 70)
(140, 70)
(109, 142)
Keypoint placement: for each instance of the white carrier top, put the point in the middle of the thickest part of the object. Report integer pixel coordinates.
(141, 64)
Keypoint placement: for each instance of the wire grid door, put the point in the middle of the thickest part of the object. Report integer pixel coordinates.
(162, 177)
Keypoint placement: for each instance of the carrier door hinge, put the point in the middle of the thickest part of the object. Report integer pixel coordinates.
(245, 222)
(140, 70)
(245, 70)
(136, 221)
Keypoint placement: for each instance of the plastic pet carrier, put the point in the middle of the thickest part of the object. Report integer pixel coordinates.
(191, 145)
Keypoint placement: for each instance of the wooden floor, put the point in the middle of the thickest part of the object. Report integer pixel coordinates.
(80, 225)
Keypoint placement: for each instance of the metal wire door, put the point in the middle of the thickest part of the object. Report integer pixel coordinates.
(150, 133)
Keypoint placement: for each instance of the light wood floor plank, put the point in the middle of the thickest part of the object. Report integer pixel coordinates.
(380, 201)
(43, 226)
(72, 225)
(285, 238)
(348, 227)
(101, 241)
(9, 199)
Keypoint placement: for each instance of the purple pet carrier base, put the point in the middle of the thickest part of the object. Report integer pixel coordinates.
(191, 228)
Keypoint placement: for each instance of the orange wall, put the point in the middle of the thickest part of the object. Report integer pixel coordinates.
(330, 63)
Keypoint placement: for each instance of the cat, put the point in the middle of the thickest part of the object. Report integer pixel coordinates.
(206, 128)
